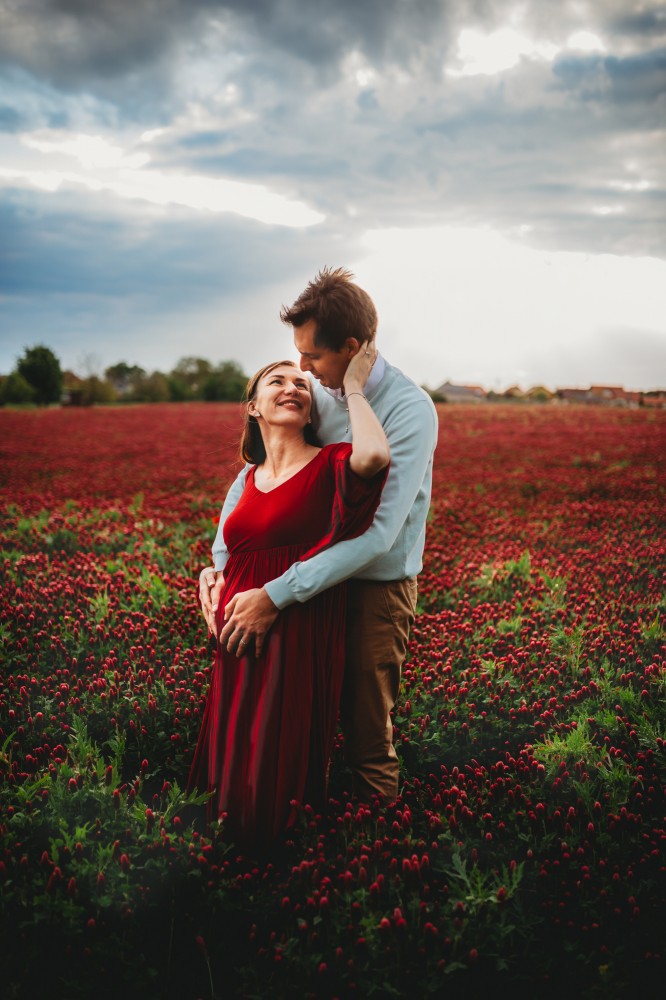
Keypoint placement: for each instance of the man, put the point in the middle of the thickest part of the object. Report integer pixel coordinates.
(332, 320)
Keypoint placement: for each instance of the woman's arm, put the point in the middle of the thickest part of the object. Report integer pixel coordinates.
(370, 448)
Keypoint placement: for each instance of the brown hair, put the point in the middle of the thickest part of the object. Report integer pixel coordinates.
(339, 308)
(252, 448)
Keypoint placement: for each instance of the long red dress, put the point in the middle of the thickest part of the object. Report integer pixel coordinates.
(269, 722)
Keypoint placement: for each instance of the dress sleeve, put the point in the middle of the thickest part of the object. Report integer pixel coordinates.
(355, 500)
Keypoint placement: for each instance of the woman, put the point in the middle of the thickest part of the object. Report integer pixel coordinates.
(269, 722)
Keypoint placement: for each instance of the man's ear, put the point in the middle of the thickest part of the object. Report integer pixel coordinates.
(352, 346)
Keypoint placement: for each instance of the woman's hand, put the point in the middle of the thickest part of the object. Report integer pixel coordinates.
(359, 368)
(370, 449)
(210, 586)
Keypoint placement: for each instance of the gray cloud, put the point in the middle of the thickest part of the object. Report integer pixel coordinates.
(640, 23)
(75, 42)
(639, 79)
(265, 92)
(88, 244)
(80, 274)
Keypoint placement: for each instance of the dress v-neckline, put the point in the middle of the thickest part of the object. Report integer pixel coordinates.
(285, 481)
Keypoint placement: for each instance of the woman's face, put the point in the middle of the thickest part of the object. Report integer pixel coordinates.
(283, 397)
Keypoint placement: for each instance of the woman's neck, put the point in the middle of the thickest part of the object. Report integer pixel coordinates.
(284, 452)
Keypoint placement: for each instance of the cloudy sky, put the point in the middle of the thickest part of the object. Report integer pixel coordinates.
(172, 171)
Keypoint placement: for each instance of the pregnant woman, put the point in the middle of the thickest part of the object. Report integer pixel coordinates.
(270, 720)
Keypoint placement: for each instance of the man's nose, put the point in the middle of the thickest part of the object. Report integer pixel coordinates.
(306, 364)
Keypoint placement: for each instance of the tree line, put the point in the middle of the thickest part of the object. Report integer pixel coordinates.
(38, 378)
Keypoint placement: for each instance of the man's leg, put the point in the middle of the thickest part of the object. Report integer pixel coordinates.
(379, 617)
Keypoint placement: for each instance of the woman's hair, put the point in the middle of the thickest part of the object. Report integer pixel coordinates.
(339, 308)
(252, 448)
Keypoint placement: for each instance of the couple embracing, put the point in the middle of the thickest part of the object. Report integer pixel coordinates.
(313, 590)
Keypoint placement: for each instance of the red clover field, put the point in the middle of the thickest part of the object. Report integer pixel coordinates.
(526, 852)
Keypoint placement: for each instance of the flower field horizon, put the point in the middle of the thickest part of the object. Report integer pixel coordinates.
(527, 848)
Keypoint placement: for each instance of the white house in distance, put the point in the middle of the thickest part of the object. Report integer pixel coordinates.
(460, 393)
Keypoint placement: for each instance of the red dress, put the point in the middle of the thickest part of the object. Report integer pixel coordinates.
(270, 722)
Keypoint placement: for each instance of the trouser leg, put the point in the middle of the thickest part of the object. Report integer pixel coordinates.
(379, 617)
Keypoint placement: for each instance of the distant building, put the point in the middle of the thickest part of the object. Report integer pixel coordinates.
(460, 393)
(539, 394)
(655, 398)
(604, 395)
(615, 395)
(599, 395)
(72, 389)
(572, 395)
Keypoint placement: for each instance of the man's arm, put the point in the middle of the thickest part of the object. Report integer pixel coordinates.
(412, 435)
(211, 578)
(220, 551)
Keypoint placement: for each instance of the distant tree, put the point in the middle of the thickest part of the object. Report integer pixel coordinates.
(186, 380)
(154, 388)
(41, 369)
(15, 389)
(436, 397)
(226, 383)
(97, 390)
(178, 390)
(125, 379)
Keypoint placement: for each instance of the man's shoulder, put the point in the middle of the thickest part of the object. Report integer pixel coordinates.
(403, 383)
(400, 390)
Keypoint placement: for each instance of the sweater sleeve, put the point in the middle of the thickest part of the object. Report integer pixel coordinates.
(412, 434)
(220, 551)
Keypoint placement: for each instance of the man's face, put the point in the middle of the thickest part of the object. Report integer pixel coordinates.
(326, 365)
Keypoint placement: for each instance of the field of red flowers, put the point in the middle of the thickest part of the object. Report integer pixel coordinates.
(527, 849)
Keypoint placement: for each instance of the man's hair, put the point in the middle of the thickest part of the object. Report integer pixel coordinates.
(252, 447)
(339, 308)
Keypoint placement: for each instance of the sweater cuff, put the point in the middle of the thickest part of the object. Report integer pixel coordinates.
(279, 593)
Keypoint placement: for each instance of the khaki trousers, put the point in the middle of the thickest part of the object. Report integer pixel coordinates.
(379, 617)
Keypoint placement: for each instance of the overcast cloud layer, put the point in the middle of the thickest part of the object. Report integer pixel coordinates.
(172, 171)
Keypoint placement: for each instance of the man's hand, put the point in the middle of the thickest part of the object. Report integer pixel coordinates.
(210, 585)
(248, 616)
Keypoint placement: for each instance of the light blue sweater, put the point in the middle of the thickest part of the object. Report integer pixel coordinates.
(392, 547)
